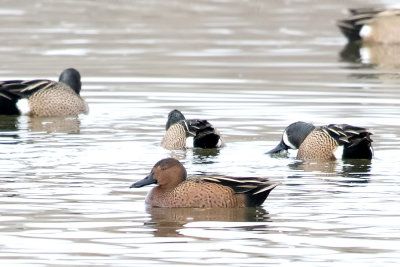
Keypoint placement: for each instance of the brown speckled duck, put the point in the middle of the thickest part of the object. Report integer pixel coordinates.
(179, 129)
(372, 25)
(173, 190)
(45, 98)
(319, 143)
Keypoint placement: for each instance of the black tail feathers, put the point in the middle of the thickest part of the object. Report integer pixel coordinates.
(356, 141)
(205, 135)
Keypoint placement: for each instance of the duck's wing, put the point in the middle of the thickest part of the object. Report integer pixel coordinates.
(16, 89)
(351, 26)
(256, 189)
(356, 140)
(203, 132)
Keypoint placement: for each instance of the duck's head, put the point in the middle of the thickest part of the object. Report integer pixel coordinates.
(166, 173)
(173, 117)
(72, 78)
(293, 136)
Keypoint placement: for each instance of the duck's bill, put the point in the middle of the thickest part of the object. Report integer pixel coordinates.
(278, 149)
(149, 179)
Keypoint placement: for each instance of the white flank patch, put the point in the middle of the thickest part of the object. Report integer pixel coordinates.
(286, 141)
(338, 152)
(365, 31)
(365, 55)
(189, 142)
(23, 106)
(219, 144)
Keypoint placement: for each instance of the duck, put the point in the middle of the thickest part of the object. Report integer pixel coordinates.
(320, 142)
(179, 129)
(44, 98)
(372, 25)
(175, 190)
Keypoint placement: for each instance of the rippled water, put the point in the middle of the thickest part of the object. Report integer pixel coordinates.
(251, 68)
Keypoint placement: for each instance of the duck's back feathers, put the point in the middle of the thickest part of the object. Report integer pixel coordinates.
(255, 189)
(14, 90)
(21, 89)
(356, 141)
(352, 27)
(204, 134)
(345, 133)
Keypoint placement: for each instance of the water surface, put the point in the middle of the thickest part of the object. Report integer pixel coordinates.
(251, 68)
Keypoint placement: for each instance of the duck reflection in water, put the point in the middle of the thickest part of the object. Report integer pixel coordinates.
(55, 124)
(9, 126)
(167, 222)
(348, 170)
(205, 153)
(380, 56)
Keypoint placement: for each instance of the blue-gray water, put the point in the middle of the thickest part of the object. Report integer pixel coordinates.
(251, 68)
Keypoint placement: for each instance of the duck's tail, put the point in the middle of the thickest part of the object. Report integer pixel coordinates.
(352, 26)
(356, 141)
(8, 103)
(350, 29)
(204, 134)
(10, 93)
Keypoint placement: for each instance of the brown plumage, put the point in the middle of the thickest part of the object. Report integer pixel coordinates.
(45, 98)
(175, 137)
(318, 145)
(174, 190)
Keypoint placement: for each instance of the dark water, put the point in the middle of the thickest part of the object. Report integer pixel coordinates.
(251, 68)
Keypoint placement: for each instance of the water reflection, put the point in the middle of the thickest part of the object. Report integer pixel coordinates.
(8, 122)
(39, 124)
(205, 155)
(351, 52)
(238, 63)
(379, 55)
(168, 221)
(349, 170)
(8, 128)
(327, 168)
(54, 125)
(11, 125)
(356, 168)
